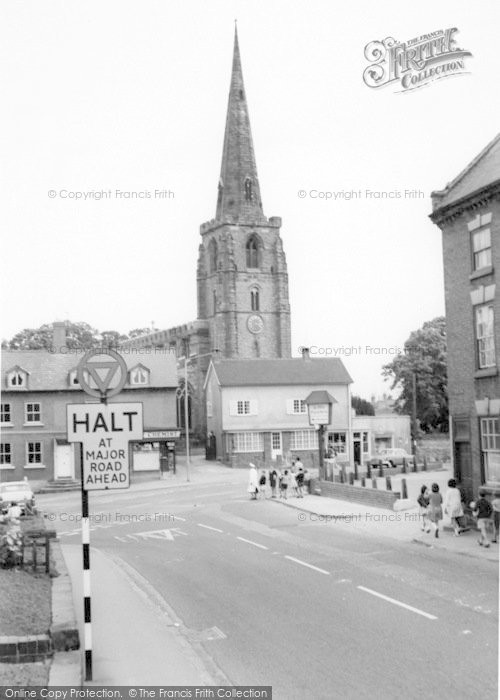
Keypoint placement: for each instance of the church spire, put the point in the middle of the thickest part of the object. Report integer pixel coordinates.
(239, 192)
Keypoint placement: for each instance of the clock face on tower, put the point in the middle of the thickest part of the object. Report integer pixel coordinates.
(255, 324)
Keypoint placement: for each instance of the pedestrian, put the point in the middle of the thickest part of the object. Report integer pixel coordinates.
(298, 464)
(306, 481)
(300, 483)
(482, 510)
(423, 502)
(253, 482)
(293, 483)
(284, 484)
(262, 484)
(273, 482)
(435, 508)
(495, 504)
(14, 511)
(453, 506)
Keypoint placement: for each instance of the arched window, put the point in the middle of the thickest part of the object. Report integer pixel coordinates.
(254, 300)
(252, 252)
(181, 397)
(212, 255)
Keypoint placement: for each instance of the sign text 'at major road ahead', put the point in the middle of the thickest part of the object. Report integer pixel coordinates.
(105, 431)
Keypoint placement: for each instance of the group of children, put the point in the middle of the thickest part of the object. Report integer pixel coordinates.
(431, 511)
(290, 481)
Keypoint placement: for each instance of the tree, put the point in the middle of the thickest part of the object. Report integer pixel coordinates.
(137, 332)
(78, 335)
(423, 363)
(362, 407)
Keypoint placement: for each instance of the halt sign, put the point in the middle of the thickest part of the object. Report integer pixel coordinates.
(105, 431)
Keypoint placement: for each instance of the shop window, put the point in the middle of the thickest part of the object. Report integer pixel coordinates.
(490, 445)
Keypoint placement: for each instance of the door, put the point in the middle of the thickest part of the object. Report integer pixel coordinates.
(64, 461)
(276, 446)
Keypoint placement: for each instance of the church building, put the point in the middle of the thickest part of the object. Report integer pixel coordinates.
(242, 279)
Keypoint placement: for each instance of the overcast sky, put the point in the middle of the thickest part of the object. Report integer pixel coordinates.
(132, 96)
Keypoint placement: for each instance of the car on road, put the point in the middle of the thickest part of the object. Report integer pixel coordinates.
(392, 457)
(16, 492)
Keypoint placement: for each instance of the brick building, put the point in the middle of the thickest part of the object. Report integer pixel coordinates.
(242, 280)
(468, 213)
(36, 388)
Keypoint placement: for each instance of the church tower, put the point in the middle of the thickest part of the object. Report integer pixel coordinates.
(242, 275)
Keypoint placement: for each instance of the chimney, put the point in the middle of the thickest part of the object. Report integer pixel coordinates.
(305, 354)
(58, 335)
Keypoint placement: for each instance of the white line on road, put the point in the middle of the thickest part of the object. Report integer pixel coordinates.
(255, 544)
(398, 602)
(208, 527)
(178, 517)
(309, 566)
(122, 539)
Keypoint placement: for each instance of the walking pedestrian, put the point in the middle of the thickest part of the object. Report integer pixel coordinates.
(495, 504)
(435, 508)
(273, 482)
(262, 484)
(253, 482)
(300, 483)
(284, 484)
(293, 482)
(483, 511)
(453, 506)
(423, 502)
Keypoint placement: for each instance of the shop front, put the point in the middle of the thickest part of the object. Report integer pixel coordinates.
(155, 452)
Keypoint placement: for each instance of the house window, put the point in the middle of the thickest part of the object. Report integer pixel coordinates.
(243, 408)
(484, 336)
(5, 454)
(338, 442)
(34, 452)
(209, 409)
(252, 252)
(245, 442)
(299, 406)
(304, 440)
(17, 380)
(490, 445)
(481, 248)
(5, 414)
(139, 375)
(33, 413)
(254, 300)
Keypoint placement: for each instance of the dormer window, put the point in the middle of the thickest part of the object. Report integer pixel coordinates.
(139, 376)
(17, 378)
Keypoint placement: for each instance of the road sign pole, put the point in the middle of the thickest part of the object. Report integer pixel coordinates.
(86, 577)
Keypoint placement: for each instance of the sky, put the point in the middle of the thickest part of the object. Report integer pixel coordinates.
(115, 95)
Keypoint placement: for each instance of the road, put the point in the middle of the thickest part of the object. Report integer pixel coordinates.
(314, 611)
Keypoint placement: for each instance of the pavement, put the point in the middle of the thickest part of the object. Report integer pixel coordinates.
(143, 637)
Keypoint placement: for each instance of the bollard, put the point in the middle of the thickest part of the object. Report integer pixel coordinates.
(424, 467)
(344, 475)
(363, 481)
(388, 484)
(341, 475)
(404, 489)
(374, 483)
(380, 468)
(356, 475)
(368, 470)
(351, 479)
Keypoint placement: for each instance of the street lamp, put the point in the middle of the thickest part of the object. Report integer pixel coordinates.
(187, 359)
(319, 406)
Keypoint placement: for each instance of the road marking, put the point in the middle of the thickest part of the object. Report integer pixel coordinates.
(178, 517)
(122, 539)
(398, 602)
(255, 544)
(208, 527)
(160, 534)
(309, 566)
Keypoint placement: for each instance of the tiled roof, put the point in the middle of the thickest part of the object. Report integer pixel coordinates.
(481, 172)
(262, 372)
(49, 372)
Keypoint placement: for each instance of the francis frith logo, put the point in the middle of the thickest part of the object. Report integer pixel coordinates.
(414, 63)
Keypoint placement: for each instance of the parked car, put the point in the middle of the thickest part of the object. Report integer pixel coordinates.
(16, 492)
(392, 457)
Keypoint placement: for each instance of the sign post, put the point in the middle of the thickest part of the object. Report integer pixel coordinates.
(103, 431)
(319, 404)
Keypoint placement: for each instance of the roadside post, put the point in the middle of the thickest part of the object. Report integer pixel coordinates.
(103, 431)
(319, 405)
